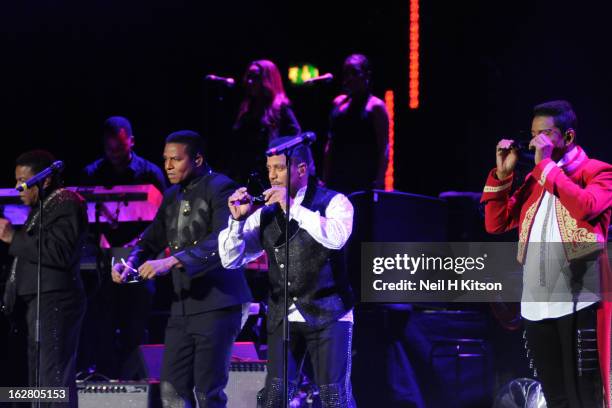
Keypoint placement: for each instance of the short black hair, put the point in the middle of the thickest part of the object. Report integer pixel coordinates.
(361, 61)
(38, 160)
(561, 111)
(194, 143)
(114, 124)
(300, 153)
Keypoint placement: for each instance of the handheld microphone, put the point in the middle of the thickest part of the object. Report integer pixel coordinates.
(325, 78)
(227, 81)
(260, 199)
(525, 153)
(304, 138)
(56, 167)
(520, 145)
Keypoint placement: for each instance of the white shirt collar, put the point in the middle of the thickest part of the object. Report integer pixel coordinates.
(568, 157)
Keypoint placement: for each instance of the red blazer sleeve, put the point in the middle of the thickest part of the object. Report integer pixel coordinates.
(502, 211)
(583, 203)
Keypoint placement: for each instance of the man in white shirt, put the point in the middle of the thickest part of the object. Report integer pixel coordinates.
(562, 211)
(321, 300)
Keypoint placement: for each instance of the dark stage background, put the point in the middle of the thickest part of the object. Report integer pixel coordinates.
(67, 65)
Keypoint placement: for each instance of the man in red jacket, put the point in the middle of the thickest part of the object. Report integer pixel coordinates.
(562, 211)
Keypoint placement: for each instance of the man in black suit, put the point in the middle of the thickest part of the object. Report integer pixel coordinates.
(206, 307)
(62, 299)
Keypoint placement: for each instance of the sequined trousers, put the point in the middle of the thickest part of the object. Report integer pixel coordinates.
(329, 353)
(61, 315)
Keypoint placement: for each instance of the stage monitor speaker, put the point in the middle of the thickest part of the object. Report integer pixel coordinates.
(151, 356)
(247, 374)
(117, 394)
(245, 381)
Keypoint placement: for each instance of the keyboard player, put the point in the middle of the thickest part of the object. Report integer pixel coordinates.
(119, 314)
(120, 165)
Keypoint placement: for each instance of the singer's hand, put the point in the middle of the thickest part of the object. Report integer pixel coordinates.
(157, 267)
(506, 158)
(240, 204)
(277, 194)
(119, 273)
(543, 147)
(6, 231)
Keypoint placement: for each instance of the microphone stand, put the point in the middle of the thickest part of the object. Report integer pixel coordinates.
(41, 198)
(286, 284)
(287, 150)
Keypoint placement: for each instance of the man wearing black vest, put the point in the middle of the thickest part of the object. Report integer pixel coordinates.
(321, 301)
(206, 306)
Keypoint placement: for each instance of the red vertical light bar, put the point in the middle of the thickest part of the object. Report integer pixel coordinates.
(413, 75)
(389, 175)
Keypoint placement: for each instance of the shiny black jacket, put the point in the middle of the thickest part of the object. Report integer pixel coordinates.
(65, 228)
(188, 222)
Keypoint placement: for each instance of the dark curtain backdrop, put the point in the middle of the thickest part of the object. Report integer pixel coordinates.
(66, 65)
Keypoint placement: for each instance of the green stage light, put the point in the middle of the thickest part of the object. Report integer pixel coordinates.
(299, 74)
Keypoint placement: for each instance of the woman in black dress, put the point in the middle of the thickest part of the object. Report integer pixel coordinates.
(264, 115)
(359, 132)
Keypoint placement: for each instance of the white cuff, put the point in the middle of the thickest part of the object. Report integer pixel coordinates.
(235, 227)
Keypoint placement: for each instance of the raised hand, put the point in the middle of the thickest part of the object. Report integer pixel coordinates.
(506, 157)
(240, 204)
(543, 147)
(6, 231)
(276, 194)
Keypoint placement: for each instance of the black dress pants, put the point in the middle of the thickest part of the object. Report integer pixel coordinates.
(566, 358)
(197, 357)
